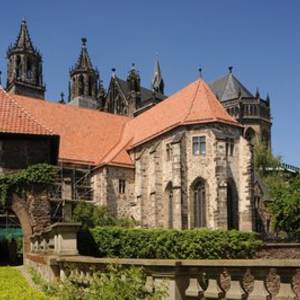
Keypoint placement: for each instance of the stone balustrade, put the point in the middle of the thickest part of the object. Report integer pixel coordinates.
(199, 279)
(57, 239)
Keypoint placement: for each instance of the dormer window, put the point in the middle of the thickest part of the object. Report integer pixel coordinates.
(199, 145)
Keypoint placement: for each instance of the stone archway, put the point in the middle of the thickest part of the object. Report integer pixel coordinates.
(33, 212)
(250, 135)
(18, 206)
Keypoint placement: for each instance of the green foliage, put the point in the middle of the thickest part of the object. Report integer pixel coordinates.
(114, 283)
(90, 216)
(285, 204)
(14, 287)
(264, 160)
(37, 175)
(174, 244)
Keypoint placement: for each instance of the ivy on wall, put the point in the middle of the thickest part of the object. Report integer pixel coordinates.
(36, 175)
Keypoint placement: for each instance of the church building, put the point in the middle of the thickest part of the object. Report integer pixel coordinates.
(183, 161)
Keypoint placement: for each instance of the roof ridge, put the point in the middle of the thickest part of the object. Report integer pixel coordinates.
(193, 101)
(26, 112)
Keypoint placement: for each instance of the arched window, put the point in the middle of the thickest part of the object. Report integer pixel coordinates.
(18, 67)
(250, 135)
(168, 204)
(29, 69)
(81, 86)
(232, 206)
(199, 203)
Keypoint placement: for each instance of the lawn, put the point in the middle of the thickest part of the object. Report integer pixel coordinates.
(13, 286)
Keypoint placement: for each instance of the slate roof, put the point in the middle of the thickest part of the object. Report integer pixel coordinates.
(229, 87)
(146, 94)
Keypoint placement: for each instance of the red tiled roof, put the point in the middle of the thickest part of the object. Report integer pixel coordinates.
(194, 104)
(85, 135)
(15, 119)
(97, 138)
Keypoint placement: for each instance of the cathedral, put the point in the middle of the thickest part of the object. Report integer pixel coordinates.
(179, 161)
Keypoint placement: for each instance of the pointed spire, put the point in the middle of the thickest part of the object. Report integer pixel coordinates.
(23, 40)
(157, 82)
(84, 61)
(268, 98)
(257, 93)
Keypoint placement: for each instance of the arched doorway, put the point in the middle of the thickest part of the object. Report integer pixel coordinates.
(250, 135)
(11, 238)
(232, 206)
(199, 202)
(168, 206)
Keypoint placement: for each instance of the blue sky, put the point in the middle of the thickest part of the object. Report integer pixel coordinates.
(261, 39)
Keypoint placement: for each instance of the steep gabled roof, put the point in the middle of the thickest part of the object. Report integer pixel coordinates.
(146, 94)
(17, 120)
(86, 135)
(229, 87)
(194, 104)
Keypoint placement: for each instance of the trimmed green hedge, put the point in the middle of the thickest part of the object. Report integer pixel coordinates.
(175, 244)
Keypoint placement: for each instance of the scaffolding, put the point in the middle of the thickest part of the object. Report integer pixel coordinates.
(72, 184)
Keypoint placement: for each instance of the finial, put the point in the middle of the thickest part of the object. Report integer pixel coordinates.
(268, 97)
(230, 68)
(200, 72)
(23, 20)
(0, 77)
(113, 72)
(133, 66)
(83, 41)
(62, 100)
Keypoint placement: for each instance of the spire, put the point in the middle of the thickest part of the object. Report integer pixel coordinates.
(257, 93)
(84, 61)
(25, 66)
(23, 40)
(84, 77)
(133, 79)
(157, 82)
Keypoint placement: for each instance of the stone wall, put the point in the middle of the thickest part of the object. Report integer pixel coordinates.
(166, 168)
(18, 153)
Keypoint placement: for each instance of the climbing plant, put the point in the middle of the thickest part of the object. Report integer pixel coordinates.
(40, 174)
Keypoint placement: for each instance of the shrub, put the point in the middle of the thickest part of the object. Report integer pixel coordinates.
(175, 244)
(90, 216)
(114, 283)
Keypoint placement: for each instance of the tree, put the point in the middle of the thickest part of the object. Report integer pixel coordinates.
(264, 160)
(285, 204)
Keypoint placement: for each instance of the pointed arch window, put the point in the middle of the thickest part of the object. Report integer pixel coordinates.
(199, 203)
(18, 67)
(81, 86)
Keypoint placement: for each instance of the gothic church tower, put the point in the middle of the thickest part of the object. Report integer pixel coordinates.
(84, 84)
(24, 69)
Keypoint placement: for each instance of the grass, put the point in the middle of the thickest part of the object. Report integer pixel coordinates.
(13, 286)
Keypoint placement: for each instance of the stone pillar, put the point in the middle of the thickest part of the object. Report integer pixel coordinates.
(221, 176)
(176, 172)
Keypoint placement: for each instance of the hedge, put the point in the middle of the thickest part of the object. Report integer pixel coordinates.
(174, 244)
